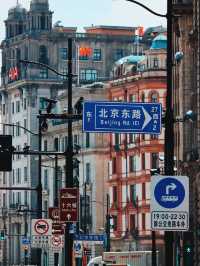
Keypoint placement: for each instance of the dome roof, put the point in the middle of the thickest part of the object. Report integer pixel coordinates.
(17, 12)
(159, 42)
(131, 59)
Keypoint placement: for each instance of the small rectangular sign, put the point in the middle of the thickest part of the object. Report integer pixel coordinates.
(90, 237)
(122, 117)
(170, 203)
(69, 204)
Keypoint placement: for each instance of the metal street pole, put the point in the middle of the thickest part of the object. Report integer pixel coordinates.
(39, 187)
(56, 255)
(69, 158)
(108, 223)
(169, 129)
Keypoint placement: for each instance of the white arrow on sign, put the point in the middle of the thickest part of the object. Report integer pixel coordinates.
(172, 186)
(69, 216)
(147, 118)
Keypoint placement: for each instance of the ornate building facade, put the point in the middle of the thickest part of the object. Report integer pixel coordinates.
(133, 156)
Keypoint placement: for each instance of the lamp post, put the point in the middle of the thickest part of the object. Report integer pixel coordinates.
(169, 130)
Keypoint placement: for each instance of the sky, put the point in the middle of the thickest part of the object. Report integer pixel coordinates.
(79, 13)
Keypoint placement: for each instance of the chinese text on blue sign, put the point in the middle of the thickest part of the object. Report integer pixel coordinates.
(122, 117)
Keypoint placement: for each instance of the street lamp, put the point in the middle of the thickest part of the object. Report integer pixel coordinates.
(169, 120)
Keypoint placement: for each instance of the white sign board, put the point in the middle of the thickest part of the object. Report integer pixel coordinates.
(41, 227)
(57, 243)
(41, 233)
(170, 203)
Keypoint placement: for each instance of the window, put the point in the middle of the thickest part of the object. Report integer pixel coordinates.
(17, 106)
(25, 197)
(115, 194)
(132, 138)
(154, 160)
(18, 176)
(13, 176)
(4, 200)
(66, 142)
(25, 104)
(45, 145)
(46, 179)
(117, 139)
(18, 197)
(118, 53)
(13, 108)
(132, 222)
(63, 144)
(88, 173)
(13, 197)
(25, 174)
(43, 73)
(64, 72)
(155, 63)
(143, 191)
(87, 140)
(63, 53)
(97, 54)
(4, 178)
(43, 54)
(132, 163)
(56, 144)
(143, 98)
(143, 161)
(76, 139)
(143, 221)
(88, 74)
(4, 109)
(18, 156)
(133, 197)
(25, 126)
(114, 165)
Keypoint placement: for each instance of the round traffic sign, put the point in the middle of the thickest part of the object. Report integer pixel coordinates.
(56, 241)
(41, 227)
(169, 193)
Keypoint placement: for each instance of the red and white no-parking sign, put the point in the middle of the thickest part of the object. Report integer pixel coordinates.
(41, 227)
(57, 242)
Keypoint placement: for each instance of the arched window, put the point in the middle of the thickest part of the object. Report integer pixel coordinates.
(143, 97)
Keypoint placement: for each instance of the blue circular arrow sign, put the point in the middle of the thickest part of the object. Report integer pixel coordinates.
(169, 193)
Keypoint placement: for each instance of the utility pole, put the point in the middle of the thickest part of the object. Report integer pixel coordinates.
(39, 187)
(56, 255)
(169, 129)
(108, 223)
(69, 158)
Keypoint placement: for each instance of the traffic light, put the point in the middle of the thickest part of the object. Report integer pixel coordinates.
(188, 249)
(5, 153)
(2, 235)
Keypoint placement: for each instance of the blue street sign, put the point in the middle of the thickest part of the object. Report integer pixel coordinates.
(26, 241)
(122, 117)
(169, 193)
(89, 237)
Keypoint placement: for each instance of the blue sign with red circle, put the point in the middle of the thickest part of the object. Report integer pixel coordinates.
(169, 193)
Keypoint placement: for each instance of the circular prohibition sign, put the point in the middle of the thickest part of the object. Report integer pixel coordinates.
(56, 241)
(41, 227)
